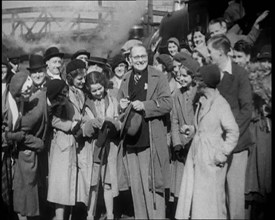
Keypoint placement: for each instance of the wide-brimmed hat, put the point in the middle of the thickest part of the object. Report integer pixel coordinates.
(119, 58)
(52, 52)
(131, 121)
(17, 82)
(129, 44)
(80, 52)
(36, 62)
(97, 60)
(265, 53)
(187, 61)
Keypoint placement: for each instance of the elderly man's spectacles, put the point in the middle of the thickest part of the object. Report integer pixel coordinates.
(140, 57)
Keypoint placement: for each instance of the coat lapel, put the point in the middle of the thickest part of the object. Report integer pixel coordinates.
(152, 74)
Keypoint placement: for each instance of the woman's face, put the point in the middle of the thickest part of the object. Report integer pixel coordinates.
(120, 70)
(4, 71)
(198, 38)
(183, 78)
(26, 88)
(197, 57)
(79, 81)
(97, 90)
(172, 48)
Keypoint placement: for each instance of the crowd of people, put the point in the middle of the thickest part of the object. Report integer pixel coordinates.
(186, 132)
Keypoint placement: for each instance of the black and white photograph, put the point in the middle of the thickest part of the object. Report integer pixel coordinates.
(136, 109)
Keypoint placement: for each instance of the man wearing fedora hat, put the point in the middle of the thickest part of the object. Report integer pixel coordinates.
(14, 61)
(37, 69)
(99, 64)
(146, 155)
(83, 55)
(53, 59)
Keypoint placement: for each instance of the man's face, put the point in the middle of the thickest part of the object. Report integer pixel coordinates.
(4, 71)
(216, 28)
(120, 70)
(215, 54)
(139, 58)
(172, 48)
(38, 76)
(241, 58)
(189, 41)
(84, 58)
(54, 65)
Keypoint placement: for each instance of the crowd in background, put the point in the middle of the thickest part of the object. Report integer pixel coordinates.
(186, 133)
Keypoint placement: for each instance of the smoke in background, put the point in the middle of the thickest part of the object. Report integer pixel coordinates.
(105, 40)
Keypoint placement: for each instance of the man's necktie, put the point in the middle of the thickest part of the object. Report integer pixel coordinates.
(137, 77)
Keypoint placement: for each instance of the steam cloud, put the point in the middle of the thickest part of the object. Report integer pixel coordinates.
(107, 39)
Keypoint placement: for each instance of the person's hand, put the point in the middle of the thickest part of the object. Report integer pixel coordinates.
(15, 136)
(261, 18)
(220, 159)
(187, 130)
(124, 102)
(138, 105)
(97, 122)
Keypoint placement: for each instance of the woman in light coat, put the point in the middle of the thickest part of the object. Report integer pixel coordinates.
(66, 122)
(100, 106)
(202, 192)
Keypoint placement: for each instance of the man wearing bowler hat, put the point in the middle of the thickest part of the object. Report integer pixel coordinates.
(37, 69)
(53, 58)
(144, 158)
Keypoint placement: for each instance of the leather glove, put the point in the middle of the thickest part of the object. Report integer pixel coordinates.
(180, 153)
(15, 136)
(76, 127)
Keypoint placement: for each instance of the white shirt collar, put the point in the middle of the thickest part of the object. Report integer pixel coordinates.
(52, 76)
(228, 67)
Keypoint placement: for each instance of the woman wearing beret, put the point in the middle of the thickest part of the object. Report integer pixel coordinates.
(173, 46)
(202, 192)
(62, 159)
(182, 121)
(100, 106)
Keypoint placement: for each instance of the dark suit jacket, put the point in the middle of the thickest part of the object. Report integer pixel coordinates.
(236, 89)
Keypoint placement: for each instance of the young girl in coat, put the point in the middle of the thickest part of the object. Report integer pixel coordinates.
(202, 192)
(101, 106)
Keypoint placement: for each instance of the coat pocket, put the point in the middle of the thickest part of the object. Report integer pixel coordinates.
(64, 141)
